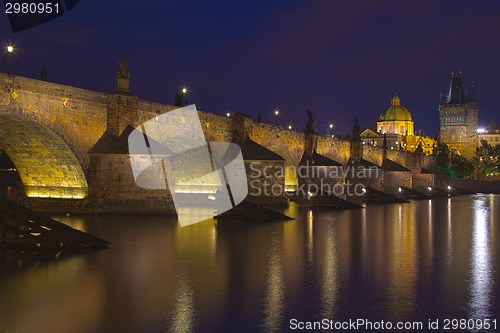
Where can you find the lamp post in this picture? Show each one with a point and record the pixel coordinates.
(184, 91)
(330, 129)
(276, 114)
(10, 49)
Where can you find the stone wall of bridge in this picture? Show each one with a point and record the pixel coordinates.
(80, 123)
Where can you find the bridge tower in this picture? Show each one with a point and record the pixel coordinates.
(459, 118)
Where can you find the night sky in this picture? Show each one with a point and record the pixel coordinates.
(338, 58)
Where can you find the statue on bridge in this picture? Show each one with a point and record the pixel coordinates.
(122, 78)
(123, 72)
(311, 124)
(356, 130)
(43, 73)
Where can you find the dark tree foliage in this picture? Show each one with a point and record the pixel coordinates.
(443, 156)
(487, 159)
(460, 167)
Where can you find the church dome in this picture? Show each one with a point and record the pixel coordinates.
(395, 112)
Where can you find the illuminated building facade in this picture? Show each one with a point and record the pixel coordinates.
(397, 124)
(491, 134)
(395, 119)
(458, 115)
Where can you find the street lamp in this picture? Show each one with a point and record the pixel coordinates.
(10, 49)
(276, 114)
(184, 91)
(330, 129)
(228, 114)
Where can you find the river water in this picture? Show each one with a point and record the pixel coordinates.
(425, 260)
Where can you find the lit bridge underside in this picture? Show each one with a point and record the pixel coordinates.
(45, 163)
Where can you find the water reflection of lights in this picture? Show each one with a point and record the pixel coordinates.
(274, 299)
(400, 215)
(329, 284)
(450, 234)
(184, 313)
(214, 241)
(430, 231)
(481, 271)
(404, 270)
(310, 239)
(363, 228)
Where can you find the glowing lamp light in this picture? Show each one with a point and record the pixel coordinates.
(10, 49)
(184, 90)
(481, 130)
(363, 190)
(276, 112)
(400, 189)
(228, 114)
(331, 125)
(449, 187)
(289, 127)
(429, 188)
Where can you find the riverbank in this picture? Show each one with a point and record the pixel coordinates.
(478, 186)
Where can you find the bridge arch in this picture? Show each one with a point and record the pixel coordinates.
(53, 124)
(45, 163)
(291, 180)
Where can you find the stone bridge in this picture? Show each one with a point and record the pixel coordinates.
(48, 129)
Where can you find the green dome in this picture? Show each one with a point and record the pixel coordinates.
(395, 112)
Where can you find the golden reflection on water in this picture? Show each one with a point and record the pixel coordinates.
(310, 239)
(450, 234)
(403, 272)
(329, 283)
(481, 284)
(183, 317)
(275, 287)
(428, 253)
(47, 305)
(74, 222)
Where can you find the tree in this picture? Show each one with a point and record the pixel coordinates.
(487, 159)
(443, 156)
(460, 167)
